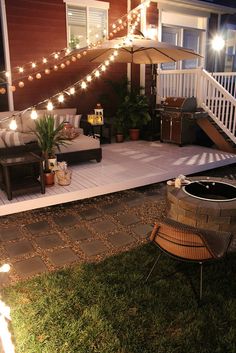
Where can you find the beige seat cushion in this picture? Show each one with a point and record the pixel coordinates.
(80, 143)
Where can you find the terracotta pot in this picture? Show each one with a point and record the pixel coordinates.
(134, 134)
(49, 179)
(119, 137)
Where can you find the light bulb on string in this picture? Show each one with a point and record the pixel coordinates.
(21, 84)
(33, 65)
(97, 73)
(49, 106)
(45, 60)
(5, 268)
(78, 56)
(84, 52)
(103, 68)
(68, 51)
(33, 114)
(120, 21)
(67, 62)
(21, 69)
(38, 76)
(61, 98)
(13, 125)
(72, 90)
(62, 66)
(114, 25)
(13, 88)
(73, 58)
(2, 90)
(89, 78)
(55, 67)
(83, 85)
(107, 62)
(112, 58)
(30, 78)
(56, 56)
(47, 71)
(115, 53)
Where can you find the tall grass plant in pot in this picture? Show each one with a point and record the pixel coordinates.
(50, 138)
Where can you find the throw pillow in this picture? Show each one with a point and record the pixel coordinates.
(2, 143)
(11, 138)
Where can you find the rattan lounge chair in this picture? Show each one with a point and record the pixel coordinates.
(187, 243)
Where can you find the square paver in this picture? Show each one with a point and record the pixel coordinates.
(49, 241)
(30, 267)
(104, 226)
(19, 248)
(93, 248)
(80, 233)
(113, 208)
(66, 220)
(134, 201)
(37, 228)
(11, 233)
(62, 257)
(128, 219)
(142, 230)
(91, 213)
(120, 239)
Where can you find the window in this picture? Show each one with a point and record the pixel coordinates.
(86, 24)
(188, 38)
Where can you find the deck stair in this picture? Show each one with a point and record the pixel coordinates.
(216, 134)
(215, 96)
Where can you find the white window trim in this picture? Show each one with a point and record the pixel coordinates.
(89, 3)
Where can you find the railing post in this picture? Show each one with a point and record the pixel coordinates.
(200, 87)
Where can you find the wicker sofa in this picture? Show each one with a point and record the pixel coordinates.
(82, 148)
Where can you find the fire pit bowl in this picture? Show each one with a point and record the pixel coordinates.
(211, 190)
(208, 203)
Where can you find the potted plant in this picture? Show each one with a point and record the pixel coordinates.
(136, 111)
(119, 125)
(49, 138)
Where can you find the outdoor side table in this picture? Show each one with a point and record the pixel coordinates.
(30, 182)
(98, 131)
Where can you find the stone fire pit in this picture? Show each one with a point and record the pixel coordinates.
(208, 203)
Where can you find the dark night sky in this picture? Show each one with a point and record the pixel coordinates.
(231, 3)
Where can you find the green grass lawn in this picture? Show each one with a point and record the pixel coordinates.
(107, 308)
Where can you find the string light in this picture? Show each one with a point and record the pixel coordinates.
(61, 98)
(21, 69)
(72, 90)
(103, 68)
(56, 56)
(47, 71)
(107, 62)
(21, 84)
(97, 73)
(33, 65)
(83, 85)
(34, 114)
(63, 66)
(45, 61)
(89, 78)
(13, 125)
(49, 106)
(38, 76)
(55, 67)
(30, 78)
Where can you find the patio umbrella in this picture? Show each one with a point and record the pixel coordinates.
(139, 50)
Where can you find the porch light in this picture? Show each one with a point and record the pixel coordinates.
(218, 43)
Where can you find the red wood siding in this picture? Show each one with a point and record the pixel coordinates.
(37, 28)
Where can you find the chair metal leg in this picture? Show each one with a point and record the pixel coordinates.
(200, 289)
(154, 265)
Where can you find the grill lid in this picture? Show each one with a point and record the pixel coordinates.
(181, 103)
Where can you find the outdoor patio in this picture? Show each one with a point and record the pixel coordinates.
(124, 166)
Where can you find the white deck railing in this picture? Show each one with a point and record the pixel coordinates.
(210, 94)
(227, 80)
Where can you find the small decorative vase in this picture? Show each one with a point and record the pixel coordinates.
(63, 177)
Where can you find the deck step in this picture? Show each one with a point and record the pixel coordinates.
(216, 134)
